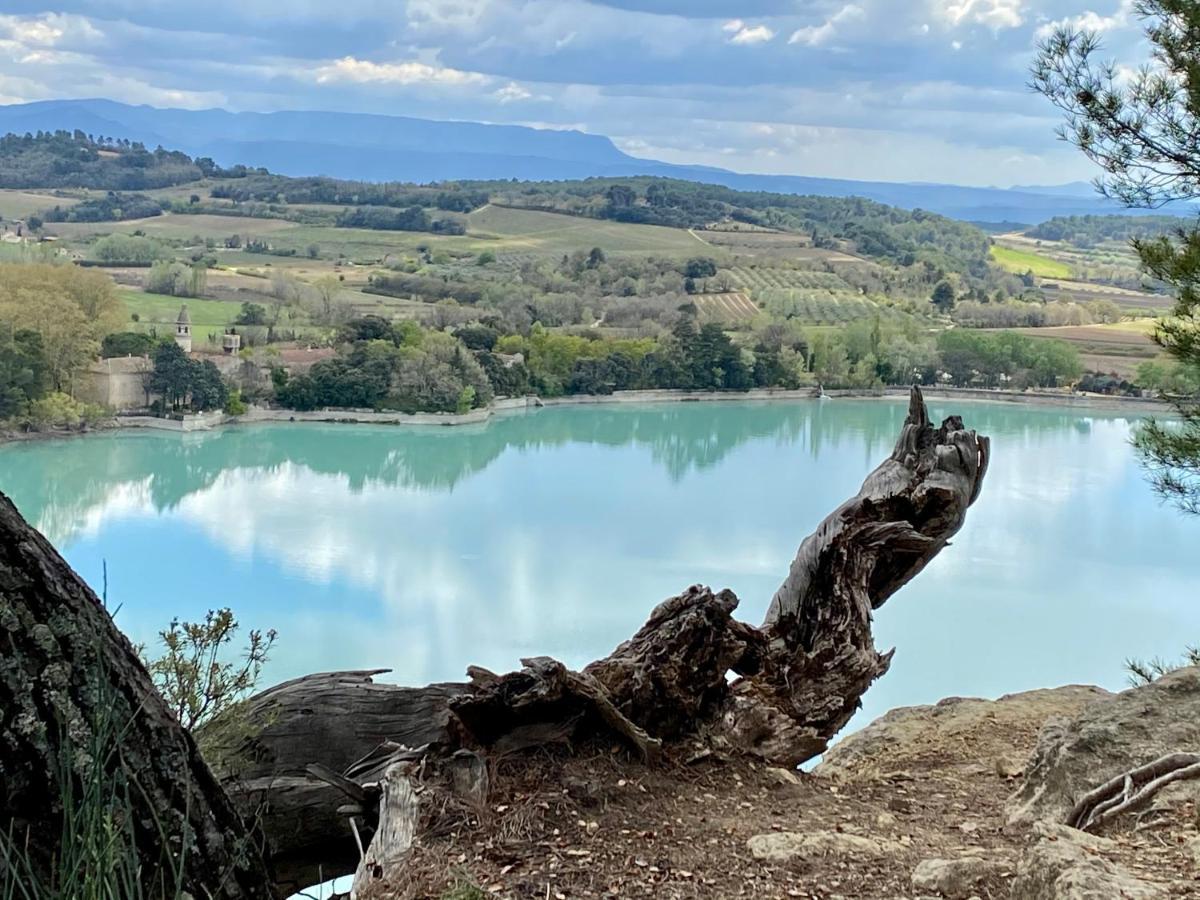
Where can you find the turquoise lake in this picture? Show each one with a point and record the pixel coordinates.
(557, 531)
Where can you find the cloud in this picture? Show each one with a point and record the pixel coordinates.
(741, 33)
(1090, 21)
(995, 14)
(363, 71)
(816, 35)
(49, 30)
(512, 93)
(650, 73)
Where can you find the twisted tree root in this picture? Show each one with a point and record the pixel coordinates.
(1131, 790)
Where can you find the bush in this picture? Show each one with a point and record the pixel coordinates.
(59, 410)
(234, 404)
(125, 249)
(176, 279)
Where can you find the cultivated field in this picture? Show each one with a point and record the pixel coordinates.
(1118, 348)
(1133, 301)
(1020, 261)
(533, 231)
(728, 308)
(772, 244)
(825, 307)
(757, 278)
(19, 204)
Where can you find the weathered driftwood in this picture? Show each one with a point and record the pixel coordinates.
(335, 761)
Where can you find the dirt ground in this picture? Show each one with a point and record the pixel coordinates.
(931, 784)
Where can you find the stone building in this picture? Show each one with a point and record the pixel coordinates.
(118, 383)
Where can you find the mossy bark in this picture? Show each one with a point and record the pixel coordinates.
(66, 671)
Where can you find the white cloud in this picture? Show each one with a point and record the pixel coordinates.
(1090, 21)
(364, 71)
(49, 30)
(741, 33)
(995, 14)
(816, 35)
(446, 14)
(511, 93)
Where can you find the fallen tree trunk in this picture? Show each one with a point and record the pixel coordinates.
(329, 759)
(799, 677)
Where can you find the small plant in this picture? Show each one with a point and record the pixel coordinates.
(191, 676)
(234, 404)
(1148, 671)
(464, 889)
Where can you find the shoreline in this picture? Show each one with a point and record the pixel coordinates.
(204, 422)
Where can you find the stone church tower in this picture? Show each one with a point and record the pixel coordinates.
(183, 330)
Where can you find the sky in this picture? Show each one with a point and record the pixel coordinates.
(889, 90)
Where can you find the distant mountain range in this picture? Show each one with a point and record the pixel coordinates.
(395, 148)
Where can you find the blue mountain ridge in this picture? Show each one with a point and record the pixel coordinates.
(397, 148)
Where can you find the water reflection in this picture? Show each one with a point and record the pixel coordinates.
(557, 530)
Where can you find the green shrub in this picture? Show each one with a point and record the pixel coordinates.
(59, 410)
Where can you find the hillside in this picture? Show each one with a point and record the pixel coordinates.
(75, 160)
(599, 284)
(394, 148)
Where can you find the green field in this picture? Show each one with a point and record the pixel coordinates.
(1022, 261)
(159, 311)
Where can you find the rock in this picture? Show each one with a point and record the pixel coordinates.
(782, 846)
(899, 804)
(782, 777)
(1066, 864)
(957, 879)
(1110, 736)
(885, 820)
(1194, 847)
(957, 733)
(1007, 766)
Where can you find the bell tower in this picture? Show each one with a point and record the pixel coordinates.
(183, 329)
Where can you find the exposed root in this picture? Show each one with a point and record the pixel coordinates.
(1132, 790)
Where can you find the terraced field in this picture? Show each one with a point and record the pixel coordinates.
(729, 308)
(825, 307)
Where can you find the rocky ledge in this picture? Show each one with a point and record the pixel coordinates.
(964, 799)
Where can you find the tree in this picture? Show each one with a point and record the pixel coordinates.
(944, 296)
(24, 372)
(1144, 132)
(71, 308)
(207, 388)
(126, 343)
(326, 289)
(171, 375)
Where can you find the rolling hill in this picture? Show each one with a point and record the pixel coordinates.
(395, 148)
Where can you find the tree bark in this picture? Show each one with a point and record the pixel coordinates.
(68, 675)
(332, 760)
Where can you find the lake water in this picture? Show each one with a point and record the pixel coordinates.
(556, 531)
